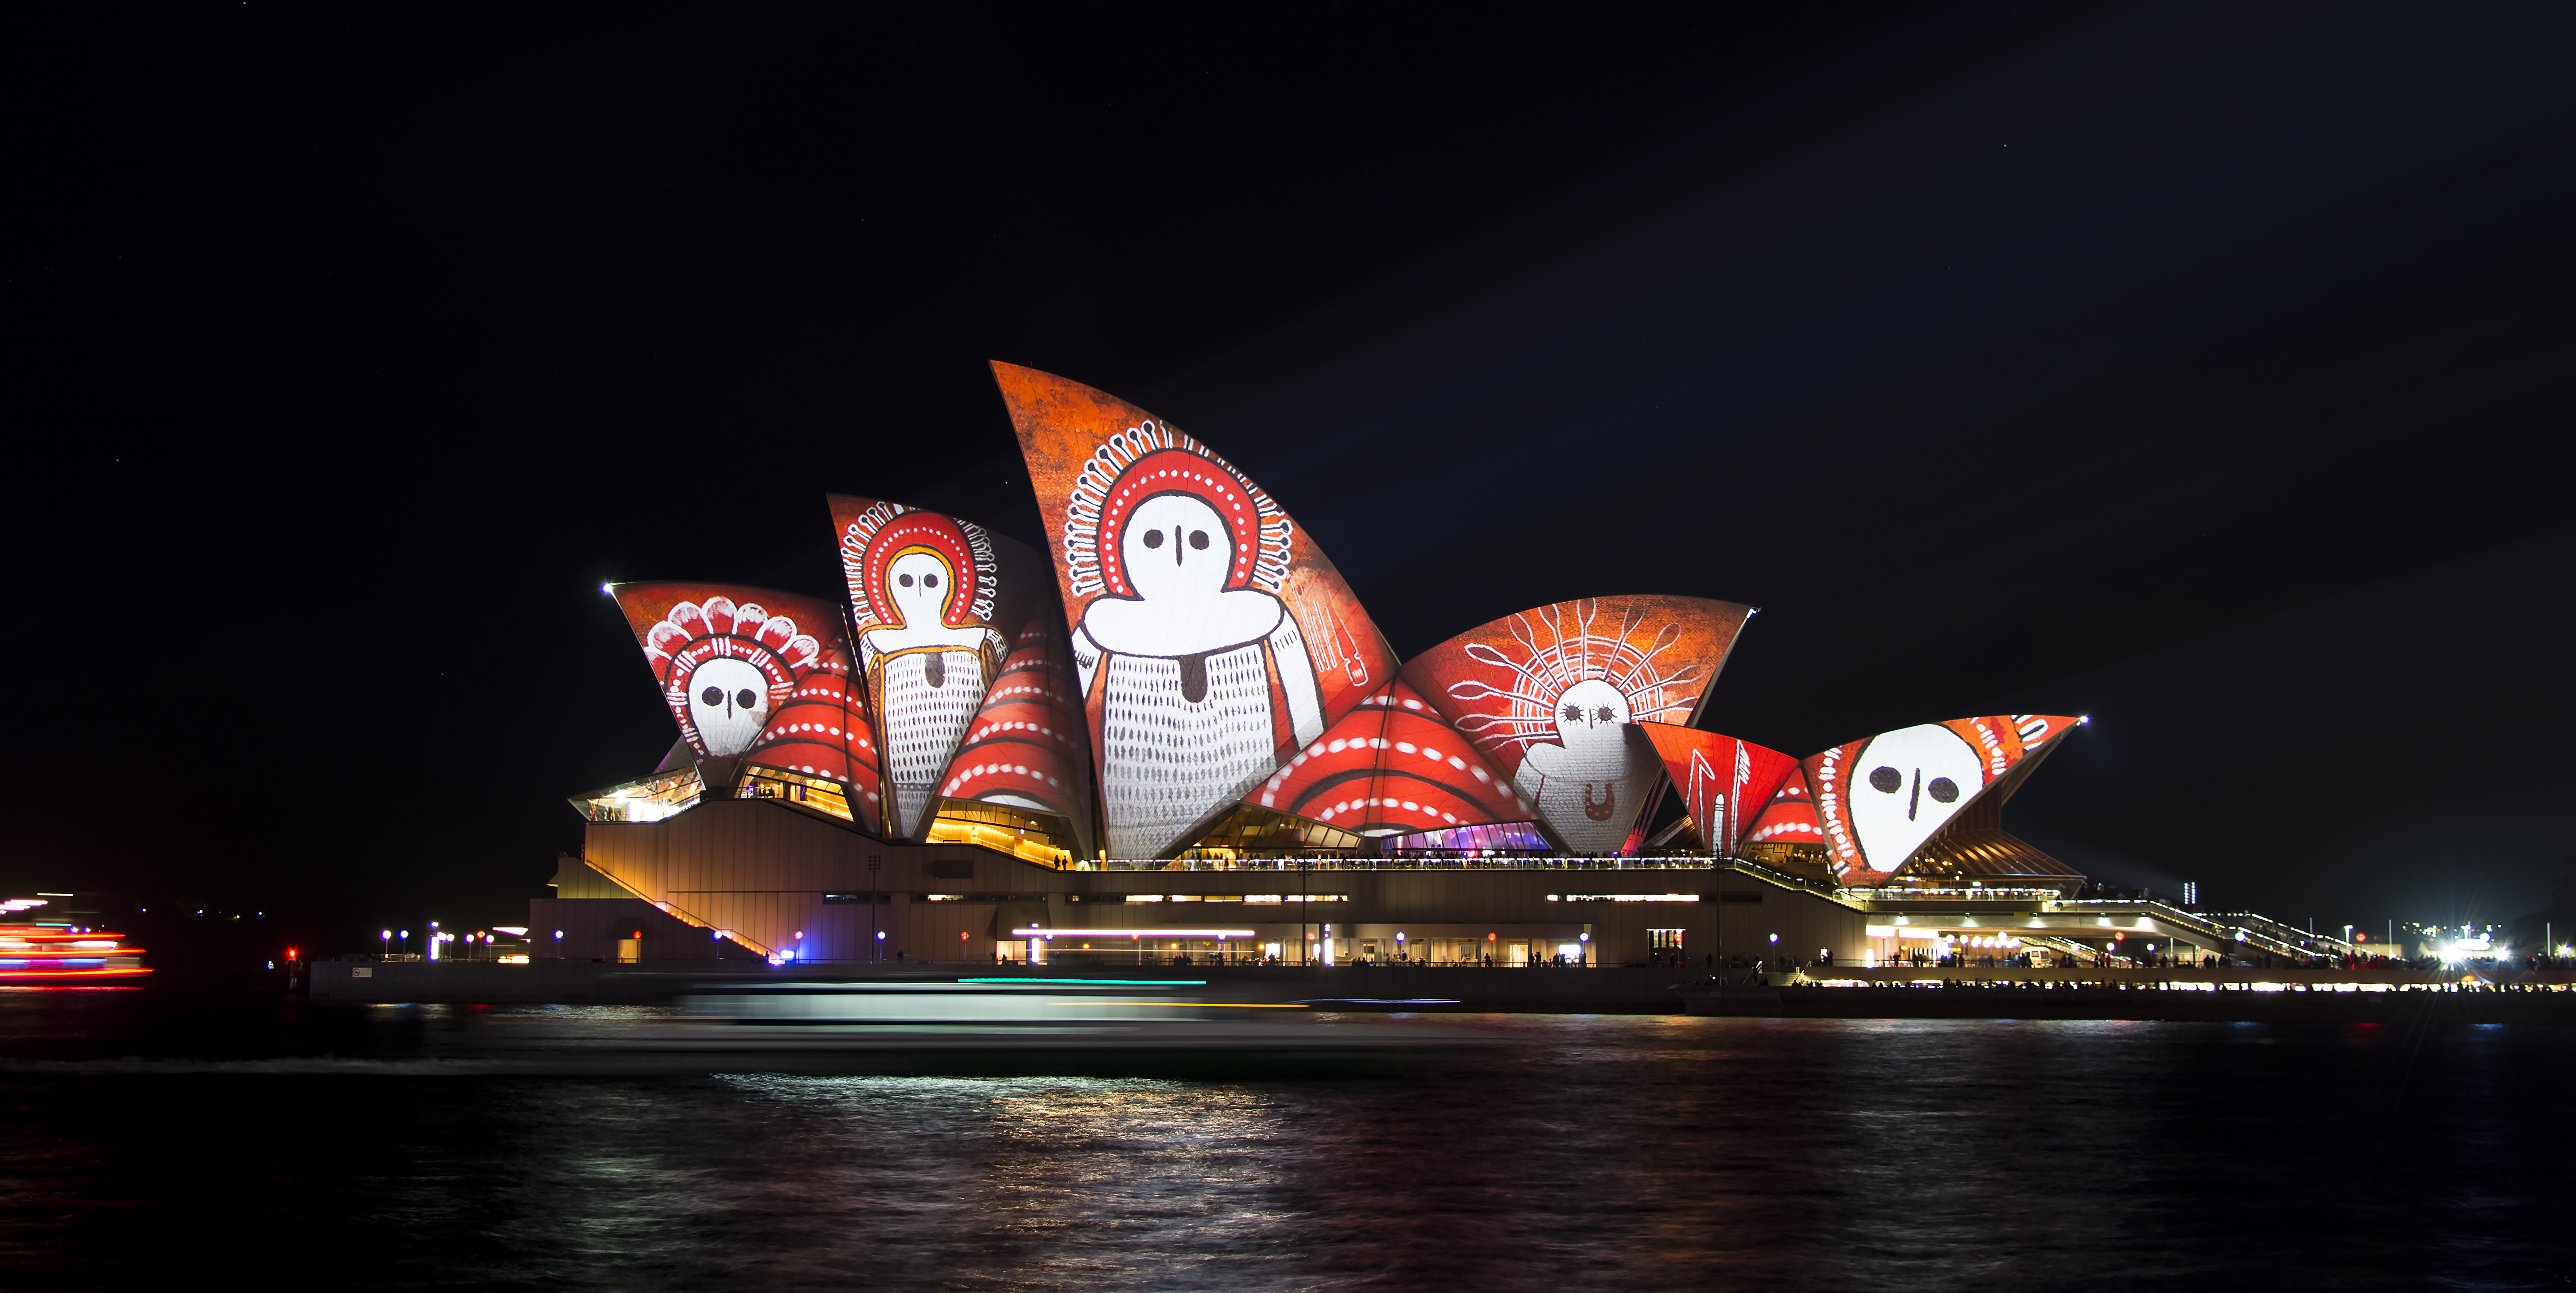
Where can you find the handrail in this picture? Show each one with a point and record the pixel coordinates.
(673, 909)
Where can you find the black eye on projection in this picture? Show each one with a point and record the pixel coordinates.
(1886, 780)
(903, 581)
(712, 696)
(930, 581)
(1604, 715)
(1198, 539)
(746, 699)
(1943, 790)
(1574, 713)
(1153, 538)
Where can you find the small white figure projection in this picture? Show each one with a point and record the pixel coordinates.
(1573, 696)
(729, 702)
(926, 672)
(1184, 646)
(1587, 784)
(724, 666)
(1904, 785)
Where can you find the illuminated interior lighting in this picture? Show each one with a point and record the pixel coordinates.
(1104, 983)
(1127, 933)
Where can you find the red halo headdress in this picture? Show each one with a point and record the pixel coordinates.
(1178, 471)
(692, 633)
(942, 537)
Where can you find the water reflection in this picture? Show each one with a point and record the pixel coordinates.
(1603, 1152)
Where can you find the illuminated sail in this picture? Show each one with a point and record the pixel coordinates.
(1553, 695)
(1392, 766)
(1026, 747)
(1211, 638)
(1878, 799)
(760, 675)
(934, 602)
(1724, 781)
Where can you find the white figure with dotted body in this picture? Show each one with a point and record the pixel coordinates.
(926, 675)
(1184, 651)
(1906, 784)
(1587, 784)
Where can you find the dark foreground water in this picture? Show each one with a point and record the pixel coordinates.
(1607, 1153)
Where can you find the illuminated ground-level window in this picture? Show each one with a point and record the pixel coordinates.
(1099, 949)
(1664, 940)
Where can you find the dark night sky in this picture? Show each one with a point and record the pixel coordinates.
(2194, 367)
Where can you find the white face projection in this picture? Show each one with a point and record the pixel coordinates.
(729, 702)
(1591, 712)
(1904, 785)
(1176, 549)
(919, 584)
(1587, 784)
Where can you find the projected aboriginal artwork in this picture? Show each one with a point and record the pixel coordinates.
(723, 656)
(822, 730)
(1723, 781)
(1879, 799)
(758, 674)
(1392, 766)
(1210, 639)
(1026, 747)
(1789, 818)
(1553, 694)
(931, 598)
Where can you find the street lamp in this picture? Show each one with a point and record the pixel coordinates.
(875, 860)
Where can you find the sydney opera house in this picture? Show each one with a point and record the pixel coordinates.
(1176, 733)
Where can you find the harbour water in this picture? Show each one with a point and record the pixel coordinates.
(234, 1141)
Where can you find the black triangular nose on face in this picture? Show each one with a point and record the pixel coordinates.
(1915, 799)
(1176, 545)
